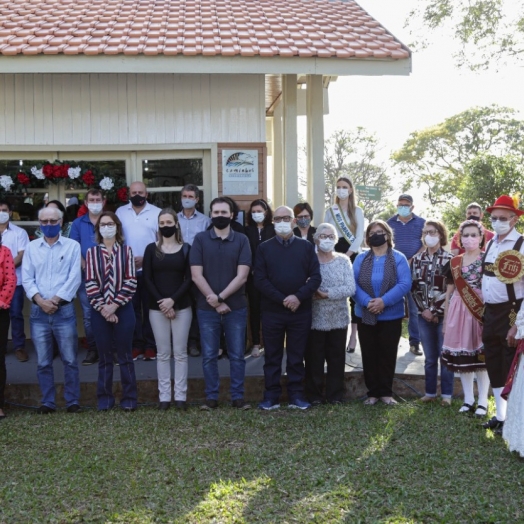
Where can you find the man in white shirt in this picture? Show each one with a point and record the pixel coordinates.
(502, 293)
(17, 240)
(140, 223)
(51, 277)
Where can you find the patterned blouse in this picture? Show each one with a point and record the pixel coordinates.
(110, 277)
(429, 280)
(472, 274)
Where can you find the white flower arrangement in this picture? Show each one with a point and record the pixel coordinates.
(106, 184)
(74, 172)
(38, 173)
(6, 182)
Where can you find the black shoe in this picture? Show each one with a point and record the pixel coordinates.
(240, 404)
(91, 358)
(498, 431)
(164, 406)
(350, 349)
(209, 405)
(44, 410)
(316, 403)
(193, 351)
(335, 402)
(493, 423)
(415, 349)
(74, 408)
(129, 410)
(181, 405)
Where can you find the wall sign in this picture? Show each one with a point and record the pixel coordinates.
(240, 172)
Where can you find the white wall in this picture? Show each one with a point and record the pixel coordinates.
(106, 109)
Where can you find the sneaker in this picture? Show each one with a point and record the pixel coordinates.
(44, 410)
(240, 404)
(193, 351)
(415, 349)
(74, 408)
(267, 405)
(298, 403)
(137, 353)
(149, 354)
(91, 358)
(493, 423)
(209, 405)
(21, 355)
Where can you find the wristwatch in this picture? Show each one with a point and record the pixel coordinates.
(220, 299)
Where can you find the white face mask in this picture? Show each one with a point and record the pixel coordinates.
(327, 245)
(343, 193)
(108, 231)
(283, 228)
(4, 217)
(95, 207)
(431, 241)
(188, 203)
(258, 217)
(501, 228)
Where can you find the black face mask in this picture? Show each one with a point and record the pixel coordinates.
(221, 222)
(167, 231)
(377, 240)
(138, 200)
(473, 217)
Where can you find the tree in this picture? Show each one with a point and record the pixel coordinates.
(436, 157)
(353, 154)
(488, 31)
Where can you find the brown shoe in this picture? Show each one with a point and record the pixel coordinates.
(425, 399)
(21, 355)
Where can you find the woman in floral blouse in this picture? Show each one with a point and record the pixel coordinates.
(429, 292)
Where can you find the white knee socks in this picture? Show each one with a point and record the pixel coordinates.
(467, 387)
(501, 404)
(483, 387)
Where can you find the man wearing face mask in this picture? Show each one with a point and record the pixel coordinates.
(473, 212)
(17, 240)
(220, 259)
(502, 295)
(287, 274)
(83, 231)
(140, 224)
(51, 277)
(407, 229)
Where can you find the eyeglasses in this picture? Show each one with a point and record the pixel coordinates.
(500, 219)
(50, 222)
(325, 237)
(277, 220)
(472, 235)
(107, 224)
(431, 232)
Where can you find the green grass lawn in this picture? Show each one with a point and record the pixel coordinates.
(350, 463)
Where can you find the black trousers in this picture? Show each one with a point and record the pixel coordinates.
(4, 328)
(254, 296)
(379, 346)
(499, 355)
(328, 347)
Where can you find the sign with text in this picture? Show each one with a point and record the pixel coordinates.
(239, 172)
(369, 192)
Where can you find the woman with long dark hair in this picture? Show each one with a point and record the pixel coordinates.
(304, 215)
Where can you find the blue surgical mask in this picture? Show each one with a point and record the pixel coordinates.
(404, 211)
(50, 231)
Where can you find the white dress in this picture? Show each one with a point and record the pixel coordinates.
(513, 429)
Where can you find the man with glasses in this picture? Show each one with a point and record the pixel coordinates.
(51, 277)
(287, 274)
(407, 233)
(503, 294)
(473, 212)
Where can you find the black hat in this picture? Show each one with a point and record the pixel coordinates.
(409, 198)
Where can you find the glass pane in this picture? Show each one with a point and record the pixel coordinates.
(172, 199)
(172, 173)
(12, 167)
(25, 206)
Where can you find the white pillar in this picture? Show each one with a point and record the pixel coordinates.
(278, 182)
(289, 97)
(315, 145)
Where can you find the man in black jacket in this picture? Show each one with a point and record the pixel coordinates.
(287, 273)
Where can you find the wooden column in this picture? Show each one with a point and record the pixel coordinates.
(290, 162)
(278, 181)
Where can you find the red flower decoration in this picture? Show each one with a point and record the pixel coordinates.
(49, 171)
(23, 179)
(122, 194)
(88, 178)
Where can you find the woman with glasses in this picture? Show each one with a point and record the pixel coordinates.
(382, 279)
(167, 275)
(462, 347)
(327, 338)
(348, 219)
(110, 286)
(259, 229)
(429, 293)
(304, 215)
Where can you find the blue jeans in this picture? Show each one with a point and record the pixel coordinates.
(413, 326)
(86, 309)
(432, 338)
(17, 318)
(234, 324)
(62, 326)
(119, 336)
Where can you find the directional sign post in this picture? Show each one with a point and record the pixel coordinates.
(369, 192)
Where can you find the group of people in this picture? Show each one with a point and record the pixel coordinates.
(153, 282)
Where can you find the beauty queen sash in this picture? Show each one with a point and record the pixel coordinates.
(342, 225)
(466, 292)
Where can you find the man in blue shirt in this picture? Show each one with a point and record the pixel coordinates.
(83, 231)
(407, 229)
(51, 277)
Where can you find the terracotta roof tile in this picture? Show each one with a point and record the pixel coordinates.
(304, 28)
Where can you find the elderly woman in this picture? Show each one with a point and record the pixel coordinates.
(327, 338)
(382, 279)
(429, 293)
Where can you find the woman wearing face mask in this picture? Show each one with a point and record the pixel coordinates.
(327, 338)
(429, 293)
(382, 279)
(348, 219)
(167, 275)
(304, 215)
(259, 229)
(462, 347)
(110, 286)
